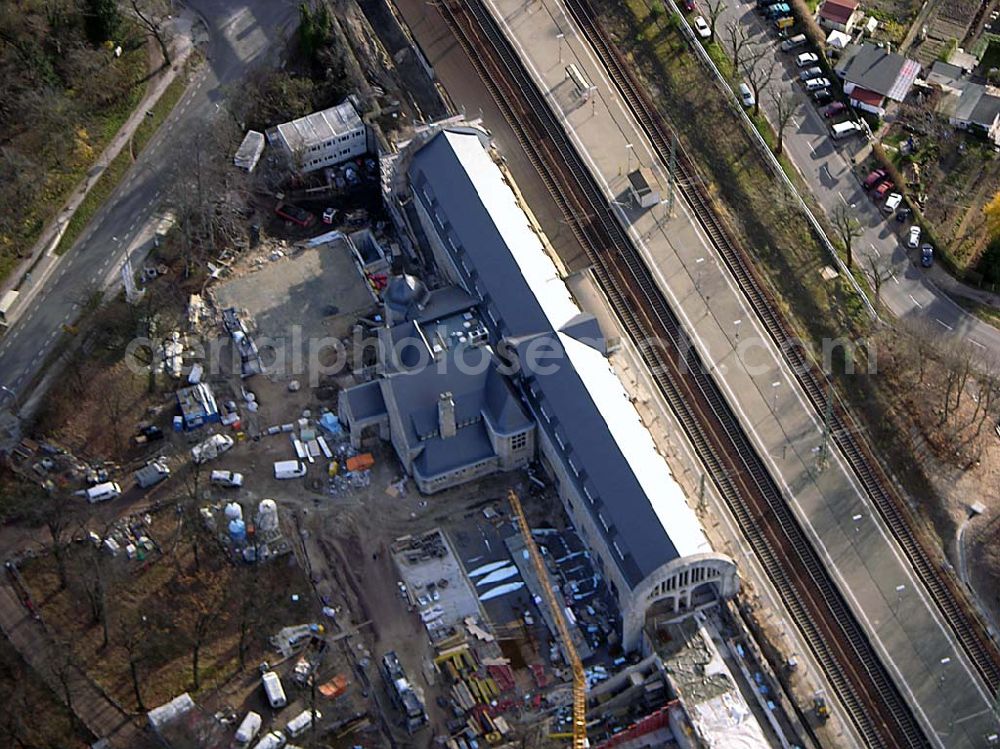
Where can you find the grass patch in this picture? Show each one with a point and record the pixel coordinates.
(984, 312)
(112, 176)
(160, 111)
(98, 194)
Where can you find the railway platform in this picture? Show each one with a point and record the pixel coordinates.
(904, 625)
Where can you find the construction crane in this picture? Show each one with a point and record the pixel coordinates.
(579, 734)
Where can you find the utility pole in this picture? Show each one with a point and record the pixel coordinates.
(824, 450)
(671, 175)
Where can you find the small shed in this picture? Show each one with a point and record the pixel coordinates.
(644, 188)
(197, 405)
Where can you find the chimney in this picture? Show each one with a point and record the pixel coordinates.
(446, 416)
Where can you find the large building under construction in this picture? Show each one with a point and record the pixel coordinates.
(584, 429)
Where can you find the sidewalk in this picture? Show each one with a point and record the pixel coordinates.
(31, 275)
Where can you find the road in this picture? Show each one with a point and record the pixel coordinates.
(907, 291)
(241, 34)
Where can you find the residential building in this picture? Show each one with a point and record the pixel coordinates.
(978, 110)
(871, 75)
(322, 139)
(602, 461)
(840, 15)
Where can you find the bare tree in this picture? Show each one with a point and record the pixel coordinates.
(146, 14)
(133, 636)
(848, 229)
(715, 8)
(880, 272)
(206, 614)
(759, 70)
(737, 41)
(785, 106)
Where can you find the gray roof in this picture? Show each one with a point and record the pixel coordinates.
(479, 392)
(585, 328)
(878, 70)
(968, 101)
(317, 128)
(986, 111)
(365, 401)
(442, 456)
(619, 504)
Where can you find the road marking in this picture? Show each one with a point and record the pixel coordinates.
(974, 342)
(812, 148)
(916, 302)
(875, 250)
(894, 279)
(841, 196)
(941, 322)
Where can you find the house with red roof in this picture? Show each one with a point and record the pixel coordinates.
(840, 15)
(871, 75)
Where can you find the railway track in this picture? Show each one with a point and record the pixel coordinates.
(878, 711)
(942, 587)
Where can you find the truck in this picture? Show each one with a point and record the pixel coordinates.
(152, 473)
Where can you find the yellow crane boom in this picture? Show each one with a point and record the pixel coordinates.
(579, 681)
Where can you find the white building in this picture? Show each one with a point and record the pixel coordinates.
(323, 139)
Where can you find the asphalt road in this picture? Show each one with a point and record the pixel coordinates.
(240, 35)
(907, 290)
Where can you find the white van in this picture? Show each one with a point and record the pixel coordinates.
(273, 689)
(301, 722)
(273, 740)
(102, 492)
(845, 129)
(289, 469)
(248, 729)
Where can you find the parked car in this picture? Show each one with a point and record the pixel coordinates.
(295, 214)
(227, 478)
(702, 27)
(892, 203)
(881, 191)
(815, 84)
(834, 109)
(903, 214)
(807, 59)
(805, 75)
(874, 177)
(823, 96)
(746, 95)
(211, 448)
(927, 256)
(689, 5)
(778, 10)
(913, 238)
(793, 43)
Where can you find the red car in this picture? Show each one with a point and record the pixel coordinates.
(882, 189)
(689, 5)
(834, 109)
(873, 179)
(295, 214)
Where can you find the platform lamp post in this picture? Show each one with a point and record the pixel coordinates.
(629, 147)
(560, 36)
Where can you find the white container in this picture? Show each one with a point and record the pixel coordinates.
(102, 492)
(248, 729)
(273, 689)
(301, 722)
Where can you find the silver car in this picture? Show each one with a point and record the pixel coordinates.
(814, 72)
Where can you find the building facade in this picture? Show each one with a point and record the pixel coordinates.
(322, 139)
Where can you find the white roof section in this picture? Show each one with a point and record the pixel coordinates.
(665, 495)
(317, 128)
(651, 470)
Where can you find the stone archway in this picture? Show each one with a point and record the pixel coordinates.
(681, 584)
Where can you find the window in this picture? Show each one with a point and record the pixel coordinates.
(519, 441)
